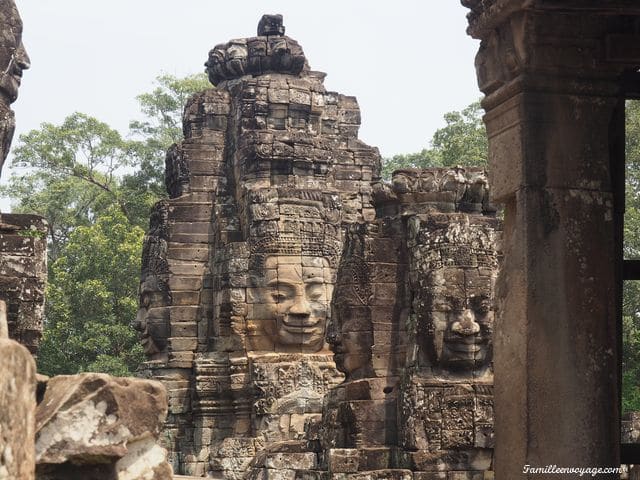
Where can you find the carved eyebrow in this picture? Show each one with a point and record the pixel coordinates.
(275, 282)
(313, 280)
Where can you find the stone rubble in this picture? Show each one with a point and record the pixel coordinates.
(105, 425)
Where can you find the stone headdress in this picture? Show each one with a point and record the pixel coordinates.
(459, 240)
(295, 222)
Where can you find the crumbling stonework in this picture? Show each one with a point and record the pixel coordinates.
(17, 411)
(23, 274)
(22, 237)
(96, 426)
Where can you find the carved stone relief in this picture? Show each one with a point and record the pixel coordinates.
(334, 323)
(13, 60)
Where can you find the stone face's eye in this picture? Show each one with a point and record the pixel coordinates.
(279, 296)
(315, 291)
(145, 300)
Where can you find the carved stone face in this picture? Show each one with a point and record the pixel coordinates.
(152, 320)
(350, 336)
(13, 56)
(292, 304)
(457, 317)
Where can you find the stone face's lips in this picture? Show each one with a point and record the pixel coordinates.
(304, 331)
(300, 323)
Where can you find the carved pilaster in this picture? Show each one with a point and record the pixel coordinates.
(552, 73)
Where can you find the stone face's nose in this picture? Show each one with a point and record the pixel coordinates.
(140, 322)
(466, 324)
(332, 336)
(301, 306)
(271, 25)
(22, 58)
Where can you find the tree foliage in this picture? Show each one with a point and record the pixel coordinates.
(462, 141)
(95, 188)
(162, 124)
(631, 248)
(73, 174)
(92, 297)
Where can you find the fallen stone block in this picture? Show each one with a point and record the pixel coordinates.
(94, 426)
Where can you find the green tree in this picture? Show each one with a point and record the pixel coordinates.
(74, 171)
(92, 298)
(73, 174)
(462, 141)
(162, 125)
(95, 188)
(631, 247)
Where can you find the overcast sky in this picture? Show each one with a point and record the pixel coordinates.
(407, 61)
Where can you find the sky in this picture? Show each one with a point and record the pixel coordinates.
(407, 61)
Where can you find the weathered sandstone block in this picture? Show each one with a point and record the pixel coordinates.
(17, 411)
(91, 423)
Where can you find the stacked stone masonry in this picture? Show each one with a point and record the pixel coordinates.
(239, 264)
(23, 275)
(295, 306)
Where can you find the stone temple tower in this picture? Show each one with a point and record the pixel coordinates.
(239, 265)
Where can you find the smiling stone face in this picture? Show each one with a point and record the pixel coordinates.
(293, 304)
(152, 319)
(13, 56)
(13, 60)
(457, 317)
(454, 264)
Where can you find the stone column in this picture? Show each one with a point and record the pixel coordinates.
(551, 70)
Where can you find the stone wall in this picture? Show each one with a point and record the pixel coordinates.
(23, 275)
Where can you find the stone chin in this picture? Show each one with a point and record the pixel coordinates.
(351, 360)
(7, 127)
(148, 345)
(354, 366)
(10, 84)
(461, 357)
(290, 334)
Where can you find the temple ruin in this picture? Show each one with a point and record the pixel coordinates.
(310, 321)
(280, 251)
